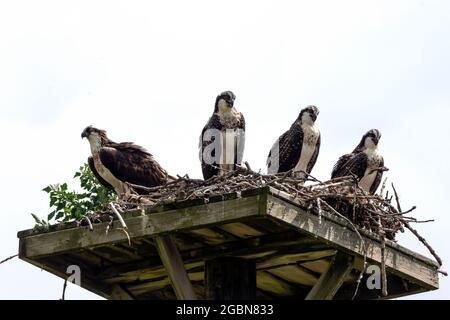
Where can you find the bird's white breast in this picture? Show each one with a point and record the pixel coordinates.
(310, 136)
(107, 175)
(373, 162)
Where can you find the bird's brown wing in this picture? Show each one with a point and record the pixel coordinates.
(339, 166)
(355, 166)
(286, 152)
(131, 163)
(210, 169)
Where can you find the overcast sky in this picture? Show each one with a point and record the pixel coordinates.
(150, 72)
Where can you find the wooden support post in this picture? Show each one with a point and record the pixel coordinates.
(331, 280)
(174, 266)
(229, 278)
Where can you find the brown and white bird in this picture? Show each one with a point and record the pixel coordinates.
(114, 164)
(222, 142)
(365, 163)
(298, 148)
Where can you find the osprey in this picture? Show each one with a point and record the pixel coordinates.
(222, 140)
(365, 162)
(113, 164)
(298, 148)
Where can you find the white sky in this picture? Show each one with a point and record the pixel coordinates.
(150, 72)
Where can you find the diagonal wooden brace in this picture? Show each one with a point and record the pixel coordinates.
(331, 280)
(173, 263)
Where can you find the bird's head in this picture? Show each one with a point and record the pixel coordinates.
(371, 138)
(95, 136)
(224, 102)
(309, 115)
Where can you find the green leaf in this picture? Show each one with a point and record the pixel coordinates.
(38, 221)
(51, 215)
(47, 189)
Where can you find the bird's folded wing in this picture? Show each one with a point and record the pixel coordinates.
(133, 165)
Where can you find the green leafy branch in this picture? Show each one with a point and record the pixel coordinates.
(68, 205)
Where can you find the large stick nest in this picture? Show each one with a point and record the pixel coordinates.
(341, 196)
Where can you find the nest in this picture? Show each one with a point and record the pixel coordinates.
(341, 196)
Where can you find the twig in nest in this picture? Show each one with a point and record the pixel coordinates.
(383, 259)
(383, 186)
(407, 225)
(91, 228)
(9, 258)
(443, 273)
(116, 212)
(127, 234)
(247, 165)
(379, 169)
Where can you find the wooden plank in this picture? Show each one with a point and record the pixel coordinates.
(272, 285)
(174, 266)
(330, 281)
(241, 230)
(145, 274)
(280, 259)
(148, 286)
(210, 236)
(249, 248)
(118, 292)
(230, 278)
(400, 262)
(318, 266)
(295, 274)
(142, 226)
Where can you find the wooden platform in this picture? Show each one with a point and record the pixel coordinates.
(295, 252)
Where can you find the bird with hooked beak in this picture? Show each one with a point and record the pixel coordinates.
(116, 165)
(298, 148)
(365, 163)
(222, 141)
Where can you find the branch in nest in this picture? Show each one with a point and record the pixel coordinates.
(407, 225)
(379, 169)
(116, 212)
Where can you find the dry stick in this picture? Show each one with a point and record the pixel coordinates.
(383, 258)
(407, 225)
(383, 186)
(127, 234)
(9, 258)
(122, 222)
(89, 222)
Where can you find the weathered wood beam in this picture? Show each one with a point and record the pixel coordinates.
(267, 243)
(118, 292)
(230, 278)
(149, 225)
(335, 231)
(174, 266)
(330, 281)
